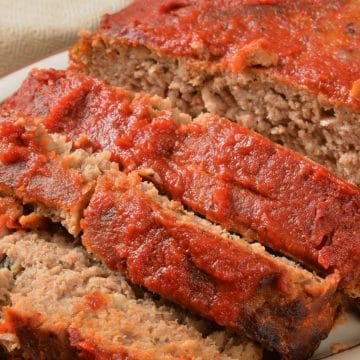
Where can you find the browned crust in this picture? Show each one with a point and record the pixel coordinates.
(39, 343)
(35, 342)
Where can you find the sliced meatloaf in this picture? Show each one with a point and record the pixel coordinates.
(221, 170)
(40, 169)
(288, 69)
(58, 303)
(198, 265)
(238, 285)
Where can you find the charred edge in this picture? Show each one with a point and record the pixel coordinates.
(36, 342)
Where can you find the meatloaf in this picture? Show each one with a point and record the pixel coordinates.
(60, 304)
(161, 247)
(201, 267)
(288, 69)
(221, 170)
(39, 170)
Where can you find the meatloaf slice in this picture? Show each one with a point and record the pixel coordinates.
(41, 170)
(289, 70)
(223, 171)
(198, 265)
(257, 277)
(209, 286)
(60, 304)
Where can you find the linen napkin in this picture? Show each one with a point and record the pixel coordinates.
(33, 29)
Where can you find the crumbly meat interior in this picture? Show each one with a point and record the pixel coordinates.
(48, 275)
(288, 115)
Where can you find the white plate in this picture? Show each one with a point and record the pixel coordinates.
(11, 82)
(347, 333)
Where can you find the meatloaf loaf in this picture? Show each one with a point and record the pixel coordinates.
(287, 69)
(175, 254)
(221, 170)
(60, 304)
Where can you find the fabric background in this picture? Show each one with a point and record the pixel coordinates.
(33, 29)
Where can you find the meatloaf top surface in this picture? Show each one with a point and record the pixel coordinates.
(290, 204)
(312, 44)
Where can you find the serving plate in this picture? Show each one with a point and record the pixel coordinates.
(345, 334)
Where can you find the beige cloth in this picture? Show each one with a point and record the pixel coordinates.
(33, 29)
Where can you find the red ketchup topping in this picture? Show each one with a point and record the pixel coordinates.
(224, 280)
(229, 174)
(34, 174)
(317, 42)
(179, 260)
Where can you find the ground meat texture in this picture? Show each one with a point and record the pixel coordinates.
(61, 304)
(220, 169)
(187, 260)
(289, 70)
(39, 170)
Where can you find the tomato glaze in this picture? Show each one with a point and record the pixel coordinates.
(317, 42)
(179, 260)
(33, 173)
(229, 174)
